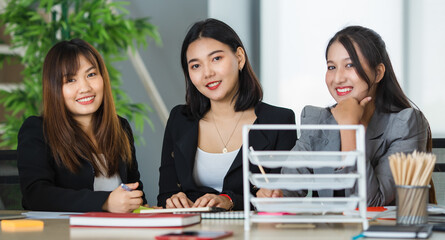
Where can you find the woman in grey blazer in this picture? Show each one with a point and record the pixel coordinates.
(362, 81)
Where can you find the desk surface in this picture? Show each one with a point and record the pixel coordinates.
(59, 229)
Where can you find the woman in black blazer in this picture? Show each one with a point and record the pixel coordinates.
(201, 156)
(75, 157)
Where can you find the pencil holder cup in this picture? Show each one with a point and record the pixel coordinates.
(412, 202)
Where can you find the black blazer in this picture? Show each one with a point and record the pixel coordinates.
(47, 186)
(180, 145)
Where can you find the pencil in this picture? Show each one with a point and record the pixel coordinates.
(412, 173)
(259, 166)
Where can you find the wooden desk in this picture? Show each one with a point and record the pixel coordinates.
(59, 229)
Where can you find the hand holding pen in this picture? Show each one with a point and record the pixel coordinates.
(124, 198)
(126, 188)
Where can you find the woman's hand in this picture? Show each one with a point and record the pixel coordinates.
(350, 111)
(213, 200)
(178, 200)
(123, 201)
(154, 207)
(269, 193)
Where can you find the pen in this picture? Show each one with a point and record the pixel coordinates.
(260, 167)
(358, 236)
(125, 187)
(263, 172)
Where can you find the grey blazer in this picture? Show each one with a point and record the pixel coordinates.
(387, 133)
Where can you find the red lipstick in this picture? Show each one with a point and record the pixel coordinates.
(342, 91)
(213, 85)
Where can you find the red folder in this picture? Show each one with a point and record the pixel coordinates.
(133, 220)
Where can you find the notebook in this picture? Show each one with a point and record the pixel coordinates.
(398, 231)
(387, 213)
(184, 210)
(223, 215)
(135, 220)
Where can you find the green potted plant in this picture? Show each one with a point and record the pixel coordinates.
(36, 25)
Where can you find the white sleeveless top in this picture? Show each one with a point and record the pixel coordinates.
(103, 183)
(211, 168)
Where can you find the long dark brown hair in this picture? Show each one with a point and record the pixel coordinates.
(68, 142)
(249, 92)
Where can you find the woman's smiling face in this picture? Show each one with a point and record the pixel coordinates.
(214, 68)
(342, 79)
(83, 93)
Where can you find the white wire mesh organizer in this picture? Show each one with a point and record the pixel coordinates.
(305, 209)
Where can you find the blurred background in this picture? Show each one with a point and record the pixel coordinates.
(286, 41)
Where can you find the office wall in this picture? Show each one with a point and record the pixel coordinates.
(243, 17)
(425, 39)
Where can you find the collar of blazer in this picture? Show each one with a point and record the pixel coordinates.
(327, 118)
(188, 144)
(377, 125)
(375, 129)
(373, 136)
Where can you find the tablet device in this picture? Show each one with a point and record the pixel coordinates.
(11, 216)
(398, 231)
(195, 235)
(439, 227)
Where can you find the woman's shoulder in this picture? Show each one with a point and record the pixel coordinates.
(180, 108)
(405, 116)
(125, 125)
(271, 110)
(123, 121)
(309, 109)
(179, 112)
(313, 114)
(269, 114)
(179, 116)
(408, 117)
(31, 127)
(401, 124)
(32, 122)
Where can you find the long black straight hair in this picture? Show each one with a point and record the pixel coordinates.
(249, 92)
(389, 96)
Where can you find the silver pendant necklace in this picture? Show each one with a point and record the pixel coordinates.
(224, 150)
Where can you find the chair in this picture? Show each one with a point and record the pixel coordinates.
(8, 171)
(439, 169)
(10, 195)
